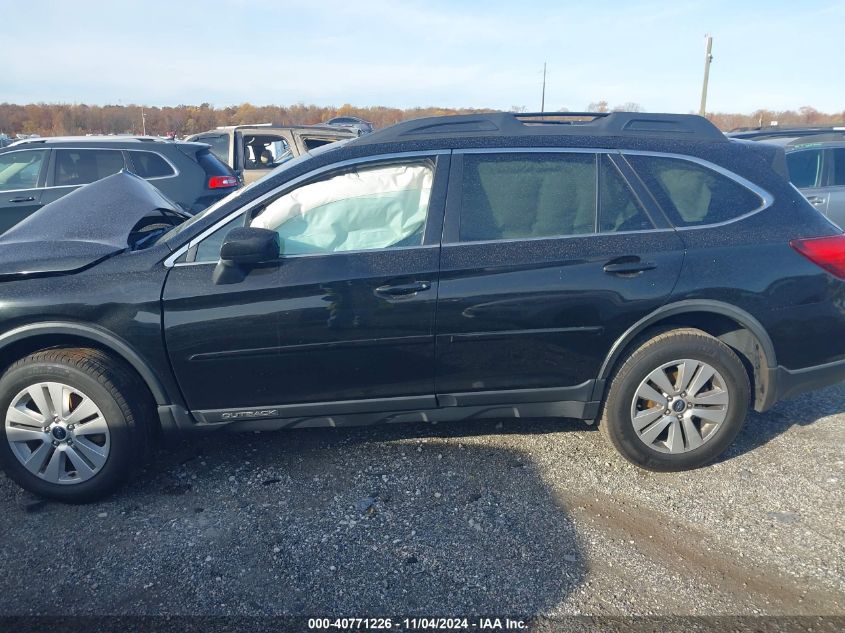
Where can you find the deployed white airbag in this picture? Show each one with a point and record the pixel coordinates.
(367, 209)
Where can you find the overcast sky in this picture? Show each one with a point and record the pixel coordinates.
(774, 54)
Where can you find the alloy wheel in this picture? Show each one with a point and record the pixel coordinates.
(58, 433)
(679, 406)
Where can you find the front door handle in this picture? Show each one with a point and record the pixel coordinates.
(403, 290)
(628, 266)
(817, 200)
(23, 199)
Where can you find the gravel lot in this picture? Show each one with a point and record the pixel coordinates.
(522, 517)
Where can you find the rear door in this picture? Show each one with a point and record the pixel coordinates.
(807, 172)
(836, 186)
(70, 168)
(548, 256)
(22, 178)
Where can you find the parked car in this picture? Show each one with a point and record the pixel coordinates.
(37, 171)
(253, 151)
(352, 122)
(637, 270)
(776, 131)
(817, 167)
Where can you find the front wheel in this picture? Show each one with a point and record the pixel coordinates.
(677, 402)
(73, 424)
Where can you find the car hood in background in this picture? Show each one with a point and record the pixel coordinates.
(80, 228)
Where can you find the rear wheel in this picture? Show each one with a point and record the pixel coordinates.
(677, 402)
(74, 423)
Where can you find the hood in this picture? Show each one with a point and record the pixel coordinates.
(82, 227)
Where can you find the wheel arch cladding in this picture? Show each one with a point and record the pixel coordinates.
(22, 341)
(739, 330)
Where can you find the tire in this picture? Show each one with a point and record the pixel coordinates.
(700, 425)
(104, 423)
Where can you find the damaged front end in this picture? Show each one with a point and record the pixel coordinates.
(87, 226)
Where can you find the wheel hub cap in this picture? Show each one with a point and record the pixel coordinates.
(679, 406)
(57, 433)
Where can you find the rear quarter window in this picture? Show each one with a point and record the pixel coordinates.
(692, 194)
(212, 165)
(150, 165)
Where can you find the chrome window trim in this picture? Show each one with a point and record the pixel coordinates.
(175, 169)
(766, 198)
(508, 240)
(170, 262)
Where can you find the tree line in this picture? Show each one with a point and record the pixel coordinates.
(54, 119)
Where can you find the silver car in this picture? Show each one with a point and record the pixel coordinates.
(817, 167)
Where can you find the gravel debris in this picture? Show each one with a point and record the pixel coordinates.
(535, 517)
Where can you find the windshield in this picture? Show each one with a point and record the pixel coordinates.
(286, 165)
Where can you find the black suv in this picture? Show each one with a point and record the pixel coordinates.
(639, 270)
(36, 171)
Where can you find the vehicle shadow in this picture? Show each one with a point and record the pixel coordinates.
(761, 428)
(360, 521)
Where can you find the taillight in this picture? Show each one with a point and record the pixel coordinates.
(826, 252)
(217, 182)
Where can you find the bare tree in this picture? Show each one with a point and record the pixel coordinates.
(628, 106)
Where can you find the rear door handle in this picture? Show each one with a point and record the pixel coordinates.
(817, 200)
(403, 290)
(23, 199)
(629, 267)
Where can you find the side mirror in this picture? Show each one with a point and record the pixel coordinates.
(244, 247)
(249, 245)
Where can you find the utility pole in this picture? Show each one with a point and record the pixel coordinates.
(708, 57)
(143, 122)
(543, 97)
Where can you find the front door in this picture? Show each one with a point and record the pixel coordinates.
(22, 177)
(342, 323)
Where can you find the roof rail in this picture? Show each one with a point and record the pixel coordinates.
(631, 124)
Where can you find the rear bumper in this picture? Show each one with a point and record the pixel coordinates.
(786, 383)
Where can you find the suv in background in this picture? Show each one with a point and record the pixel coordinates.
(253, 151)
(352, 122)
(37, 171)
(637, 270)
(817, 167)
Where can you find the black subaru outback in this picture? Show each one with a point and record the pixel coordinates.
(639, 270)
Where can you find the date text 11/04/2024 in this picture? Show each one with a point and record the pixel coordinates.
(416, 624)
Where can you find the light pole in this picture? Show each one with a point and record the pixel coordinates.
(143, 121)
(707, 59)
(543, 97)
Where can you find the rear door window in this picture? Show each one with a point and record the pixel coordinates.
(150, 165)
(805, 167)
(82, 166)
(692, 194)
(531, 195)
(20, 170)
(619, 208)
